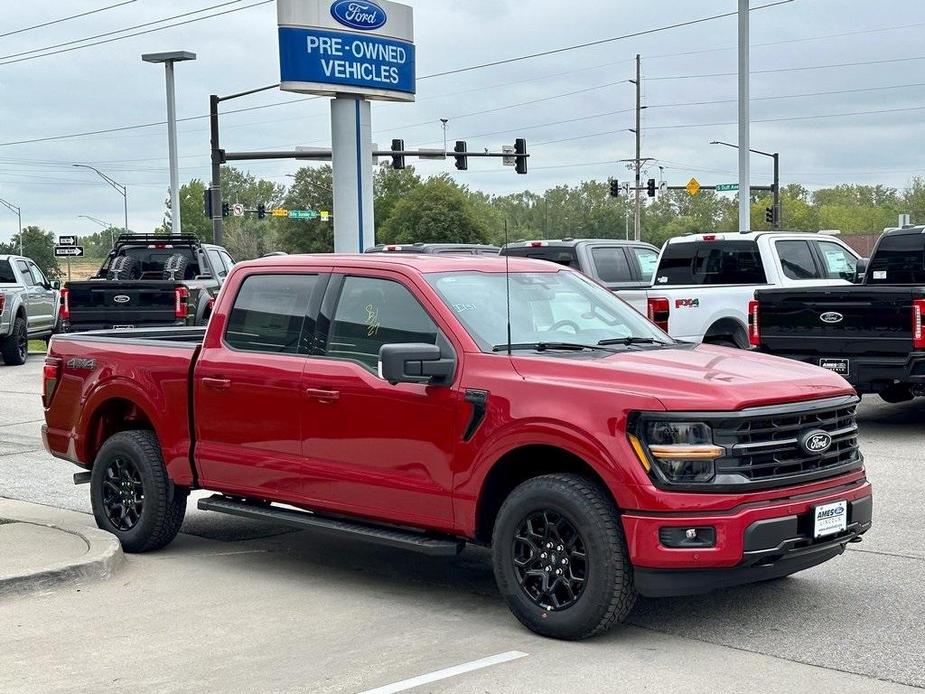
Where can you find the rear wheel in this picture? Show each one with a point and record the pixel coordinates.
(15, 347)
(560, 558)
(131, 495)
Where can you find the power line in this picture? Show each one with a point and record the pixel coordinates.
(601, 42)
(3, 60)
(65, 19)
(789, 69)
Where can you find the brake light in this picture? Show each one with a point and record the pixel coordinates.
(182, 305)
(918, 331)
(754, 332)
(64, 310)
(392, 249)
(2, 302)
(710, 237)
(538, 244)
(659, 312)
(51, 374)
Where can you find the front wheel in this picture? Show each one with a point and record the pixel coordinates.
(560, 558)
(15, 347)
(131, 495)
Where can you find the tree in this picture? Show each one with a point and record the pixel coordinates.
(437, 211)
(39, 245)
(193, 219)
(390, 186)
(312, 189)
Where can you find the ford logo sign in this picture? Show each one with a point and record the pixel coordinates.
(831, 317)
(122, 299)
(816, 442)
(365, 16)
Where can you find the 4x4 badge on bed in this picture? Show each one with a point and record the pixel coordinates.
(816, 442)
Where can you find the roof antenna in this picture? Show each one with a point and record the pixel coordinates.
(507, 280)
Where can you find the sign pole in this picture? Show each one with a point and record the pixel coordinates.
(352, 144)
(745, 213)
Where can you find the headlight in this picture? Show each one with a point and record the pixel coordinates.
(682, 452)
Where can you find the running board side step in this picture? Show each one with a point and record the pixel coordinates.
(366, 532)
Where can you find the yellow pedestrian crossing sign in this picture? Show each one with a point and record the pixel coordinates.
(693, 187)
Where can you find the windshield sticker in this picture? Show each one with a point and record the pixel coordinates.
(663, 280)
(372, 320)
(462, 308)
(879, 274)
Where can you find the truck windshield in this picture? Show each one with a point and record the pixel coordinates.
(898, 259)
(546, 308)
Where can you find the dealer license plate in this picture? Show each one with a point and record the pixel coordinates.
(840, 366)
(830, 519)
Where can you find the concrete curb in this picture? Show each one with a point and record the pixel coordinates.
(103, 557)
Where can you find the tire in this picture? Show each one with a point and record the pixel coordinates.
(15, 347)
(129, 468)
(722, 342)
(175, 268)
(605, 596)
(121, 268)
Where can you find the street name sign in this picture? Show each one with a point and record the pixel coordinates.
(727, 187)
(69, 251)
(67, 240)
(302, 214)
(347, 47)
(693, 187)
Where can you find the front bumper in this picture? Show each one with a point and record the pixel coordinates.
(754, 542)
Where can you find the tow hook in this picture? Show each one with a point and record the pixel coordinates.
(855, 539)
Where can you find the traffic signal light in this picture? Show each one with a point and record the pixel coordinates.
(207, 202)
(520, 147)
(650, 188)
(261, 211)
(769, 215)
(226, 209)
(614, 188)
(462, 161)
(398, 160)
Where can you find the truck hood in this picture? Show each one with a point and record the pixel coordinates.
(702, 378)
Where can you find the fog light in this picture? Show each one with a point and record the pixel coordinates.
(684, 538)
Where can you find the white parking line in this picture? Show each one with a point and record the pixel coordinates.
(446, 673)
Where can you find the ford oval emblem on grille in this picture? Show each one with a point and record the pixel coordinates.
(365, 16)
(816, 442)
(831, 317)
(122, 299)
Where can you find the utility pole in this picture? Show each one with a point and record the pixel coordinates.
(744, 129)
(215, 189)
(18, 211)
(778, 212)
(638, 167)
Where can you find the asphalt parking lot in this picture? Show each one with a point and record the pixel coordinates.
(235, 605)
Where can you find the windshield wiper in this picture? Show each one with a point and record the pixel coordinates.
(550, 346)
(632, 341)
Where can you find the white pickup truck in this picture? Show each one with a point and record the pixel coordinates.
(29, 304)
(704, 286)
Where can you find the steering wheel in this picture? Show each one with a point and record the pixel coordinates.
(566, 324)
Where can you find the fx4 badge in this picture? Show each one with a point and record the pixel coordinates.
(686, 303)
(76, 363)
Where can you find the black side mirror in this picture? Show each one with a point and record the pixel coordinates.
(860, 270)
(54, 284)
(415, 363)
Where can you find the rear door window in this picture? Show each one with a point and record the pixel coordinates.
(270, 314)
(6, 272)
(27, 278)
(797, 261)
(898, 259)
(837, 262)
(611, 265)
(711, 263)
(648, 261)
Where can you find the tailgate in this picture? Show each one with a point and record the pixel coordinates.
(106, 304)
(837, 321)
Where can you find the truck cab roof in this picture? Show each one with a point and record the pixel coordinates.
(436, 248)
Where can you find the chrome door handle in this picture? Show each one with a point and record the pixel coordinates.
(322, 395)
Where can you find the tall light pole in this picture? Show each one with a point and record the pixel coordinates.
(118, 186)
(18, 212)
(168, 59)
(745, 212)
(776, 157)
(105, 225)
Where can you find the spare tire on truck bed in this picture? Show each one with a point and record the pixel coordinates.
(121, 268)
(175, 267)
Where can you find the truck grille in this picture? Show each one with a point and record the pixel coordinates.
(764, 445)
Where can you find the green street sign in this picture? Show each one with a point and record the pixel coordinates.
(303, 214)
(726, 187)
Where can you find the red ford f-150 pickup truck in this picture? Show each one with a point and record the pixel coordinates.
(428, 402)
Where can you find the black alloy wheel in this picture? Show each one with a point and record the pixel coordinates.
(123, 493)
(550, 560)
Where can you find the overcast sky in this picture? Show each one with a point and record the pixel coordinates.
(107, 86)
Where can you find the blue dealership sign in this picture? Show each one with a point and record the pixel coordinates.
(363, 16)
(319, 61)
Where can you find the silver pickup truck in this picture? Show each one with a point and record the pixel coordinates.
(28, 307)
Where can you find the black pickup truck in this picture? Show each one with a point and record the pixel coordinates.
(871, 334)
(148, 281)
